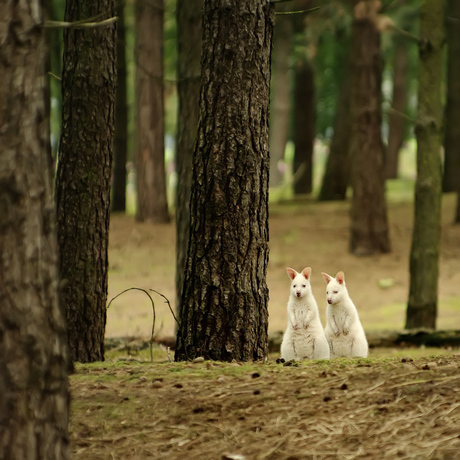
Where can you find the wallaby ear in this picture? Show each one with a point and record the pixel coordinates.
(340, 277)
(306, 272)
(327, 277)
(291, 273)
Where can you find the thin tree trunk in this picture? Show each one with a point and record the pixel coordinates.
(223, 311)
(34, 394)
(189, 31)
(424, 256)
(369, 226)
(451, 181)
(83, 175)
(280, 104)
(336, 176)
(120, 148)
(150, 163)
(304, 126)
(396, 122)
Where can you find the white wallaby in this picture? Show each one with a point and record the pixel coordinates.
(344, 331)
(304, 336)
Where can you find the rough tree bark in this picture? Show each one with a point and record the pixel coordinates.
(369, 225)
(424, 255)
(223, 311)
(84, 173)
(152, 203)
(34, 395)
(189, 31)
(120, 148)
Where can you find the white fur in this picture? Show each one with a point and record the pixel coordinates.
(344, 331)
(304, 336)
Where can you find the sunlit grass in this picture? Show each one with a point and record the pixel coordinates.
(393, 316)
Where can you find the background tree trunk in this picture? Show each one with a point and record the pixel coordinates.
(223, 311)
(83, 175)
(189, 31)
(280, 96)
(303, 126)
(34, 395)
(369, 226)
(452, 133)
(424, 256)
(337, 172)
(150, 163)
(55, 11)
(396, 123)
(120, 148)
(451, 182)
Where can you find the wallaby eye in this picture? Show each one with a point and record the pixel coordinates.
(304, 285)
(294, 285)
(335, 291)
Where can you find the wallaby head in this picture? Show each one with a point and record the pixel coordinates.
(336, 288)
(300, 284)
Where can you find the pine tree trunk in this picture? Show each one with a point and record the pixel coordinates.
(120, 148)
(424, 256)
(304, 126)
(280, 93)
(337, 172)
(369, 226)
(223, 311)
(396, 122)
(34, 394)
(152, 204)
(451, 182)
(189, 32)
(83, 175)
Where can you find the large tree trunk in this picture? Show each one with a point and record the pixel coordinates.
(189, 13)
(34, 395)
(83, 175)
(336, 176)
(152, 204)
(424, 256)
(280, 94)
(369, 226)
(451, 182)
(120, 148)
(396, 123)
(223, 311)
(303, 126)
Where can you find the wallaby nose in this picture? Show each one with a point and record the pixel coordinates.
(329, 301)
(298, 294)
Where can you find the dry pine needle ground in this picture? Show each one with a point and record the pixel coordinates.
(343, 409)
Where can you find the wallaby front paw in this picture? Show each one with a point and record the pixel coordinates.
(337, 333)
(345, 332)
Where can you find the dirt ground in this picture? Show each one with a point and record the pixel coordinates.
(380, 408)
(396, 404)
(302, 233)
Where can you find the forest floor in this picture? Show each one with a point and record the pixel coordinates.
(302, 233)
(376, 408)
(399, 403)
